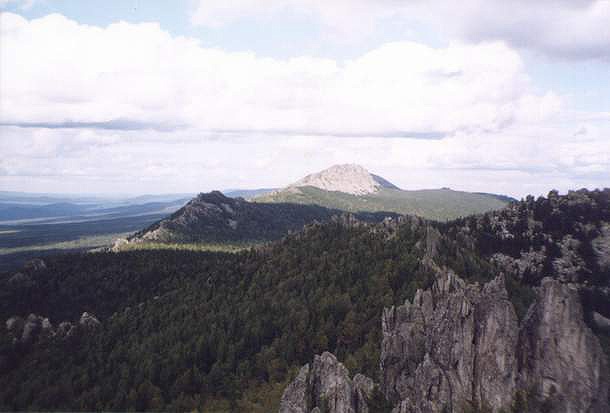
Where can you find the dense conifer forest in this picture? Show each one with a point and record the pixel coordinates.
(184, 330)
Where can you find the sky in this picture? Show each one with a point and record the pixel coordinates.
(138, 96)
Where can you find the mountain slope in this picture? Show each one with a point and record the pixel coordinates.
(214, 217)
(437, 204)
(183, 330)
(352, 188)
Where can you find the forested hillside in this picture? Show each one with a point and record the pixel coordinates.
(183, 330)
(437, 204)
(215, 218)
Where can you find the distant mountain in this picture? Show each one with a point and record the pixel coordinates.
(10, 211)
(67, 211)
(352, 188)
(350, 179)
(214, 217)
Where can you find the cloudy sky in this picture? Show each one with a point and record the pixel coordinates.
(143, 96)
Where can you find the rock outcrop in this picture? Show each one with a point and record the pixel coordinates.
(28, 330)
(451, 348)
(560, 357)
(458, 347)
(325, 386)
(88, 320)
(35, 327)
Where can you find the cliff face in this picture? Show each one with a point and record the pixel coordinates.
(560, 358)
(451, 348)
(458, 346)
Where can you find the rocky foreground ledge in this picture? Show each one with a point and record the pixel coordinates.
(459, 347)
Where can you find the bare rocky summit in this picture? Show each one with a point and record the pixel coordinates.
(349, 178)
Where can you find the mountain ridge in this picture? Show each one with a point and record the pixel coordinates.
(216, 218)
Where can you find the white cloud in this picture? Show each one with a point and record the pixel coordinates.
(566, 28)
(57, 72)
(516, 161)
(245, 121)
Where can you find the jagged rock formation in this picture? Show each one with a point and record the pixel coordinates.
(349, 178)
(459, 347)
(325, 386)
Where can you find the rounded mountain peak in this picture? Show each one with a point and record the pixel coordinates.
(349, 178)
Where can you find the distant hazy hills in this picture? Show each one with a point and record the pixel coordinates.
(22, 208)
(352, 188)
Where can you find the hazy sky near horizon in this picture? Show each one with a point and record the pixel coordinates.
(139, 96)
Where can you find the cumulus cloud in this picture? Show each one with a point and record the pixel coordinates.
(516, 161)
(58, 73)
(565, 28)
(85, 107)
